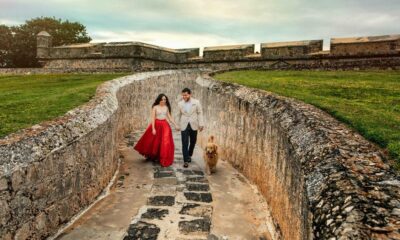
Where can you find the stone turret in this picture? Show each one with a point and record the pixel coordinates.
(44, 43)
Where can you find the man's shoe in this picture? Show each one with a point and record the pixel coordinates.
(185, 165)
(190, 159)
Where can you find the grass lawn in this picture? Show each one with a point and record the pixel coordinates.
(26, 100)
(368, 101)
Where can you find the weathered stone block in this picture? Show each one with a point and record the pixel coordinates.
(155, 213)
(17, 179)
(23, 233)
(3, 184)
(5, 212)
(196, 210)
(161, 200)
(142, 230)
(195, 226)
(198, 197)
(197, 187)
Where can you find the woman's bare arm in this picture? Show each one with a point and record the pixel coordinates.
(171, 119)
(153, 120)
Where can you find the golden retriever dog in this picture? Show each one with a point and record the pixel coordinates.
(210, 155)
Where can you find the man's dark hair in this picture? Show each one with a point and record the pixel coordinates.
(186, 90)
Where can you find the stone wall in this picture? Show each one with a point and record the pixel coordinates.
(51, 171)
(118, 50)
(320, 179)
(230, 53)
(290, 49)
(366, 46)
(376, 52)
(311, 63)
(28, 71)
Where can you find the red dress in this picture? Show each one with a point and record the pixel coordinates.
(159, 146)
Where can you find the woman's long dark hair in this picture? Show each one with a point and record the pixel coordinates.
(158, 100)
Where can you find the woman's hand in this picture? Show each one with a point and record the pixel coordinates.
(177, 128)
(154, 131)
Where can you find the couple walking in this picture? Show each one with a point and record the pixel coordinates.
(157, 142)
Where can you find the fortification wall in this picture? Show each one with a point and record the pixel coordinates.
(290, 49)
(377, 52)
(365, 46)
(227, 53)
(331, 63)
(121, 50)
(320, 179)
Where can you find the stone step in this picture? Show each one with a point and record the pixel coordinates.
(161, 201)
(197, 187)
(142, 230)
(155, 213)
(178, 206)
(196, 179)
(202, 225)
(196, 210)
(198, 197)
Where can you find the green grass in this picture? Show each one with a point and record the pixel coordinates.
(368, 101)
(26, 100)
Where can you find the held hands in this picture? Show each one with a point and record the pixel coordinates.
(154, 131)
(177, 128)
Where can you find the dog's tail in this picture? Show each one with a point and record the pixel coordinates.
(211, 139)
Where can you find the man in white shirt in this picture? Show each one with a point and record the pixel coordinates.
(190, 120)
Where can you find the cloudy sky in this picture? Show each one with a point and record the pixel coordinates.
(199, 23)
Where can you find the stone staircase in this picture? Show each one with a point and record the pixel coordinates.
(179, 206)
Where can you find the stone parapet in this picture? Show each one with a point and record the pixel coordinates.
(291, 49)
(224, 53)
(366, 46)
(136, 56)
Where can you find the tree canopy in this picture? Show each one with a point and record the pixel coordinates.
(18, 43)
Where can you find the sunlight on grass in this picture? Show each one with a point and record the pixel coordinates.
(26, 100)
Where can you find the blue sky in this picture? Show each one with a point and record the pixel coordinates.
(190, 23)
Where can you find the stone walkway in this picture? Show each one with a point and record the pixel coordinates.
(179, 206)
(152, 202)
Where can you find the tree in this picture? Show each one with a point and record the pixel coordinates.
(22, 50)
(5, 45)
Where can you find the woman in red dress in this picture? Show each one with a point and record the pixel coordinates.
(157, 141)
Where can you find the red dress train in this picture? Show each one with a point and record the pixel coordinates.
(159, 146)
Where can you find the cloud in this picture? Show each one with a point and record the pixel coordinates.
(183, 23)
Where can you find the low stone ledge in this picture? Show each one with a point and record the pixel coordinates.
(29, 71)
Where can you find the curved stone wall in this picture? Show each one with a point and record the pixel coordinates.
(321, 179)
(50, 172)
